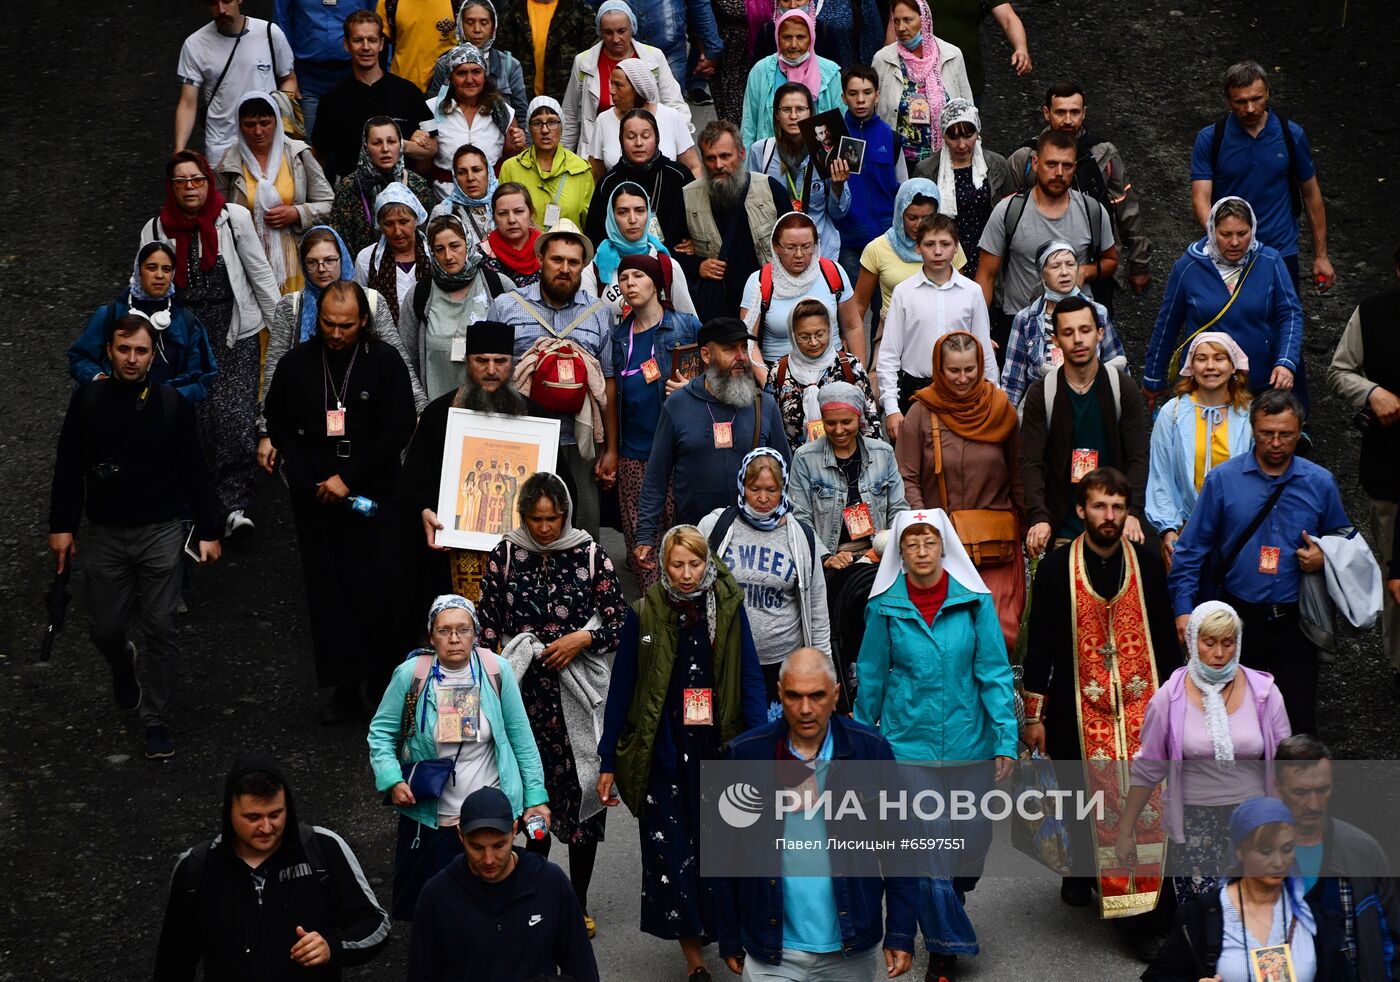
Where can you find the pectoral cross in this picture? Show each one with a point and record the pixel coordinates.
(1109, 651)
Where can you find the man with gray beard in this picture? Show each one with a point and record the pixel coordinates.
(706, 429)
(730, 213)
(487, 389)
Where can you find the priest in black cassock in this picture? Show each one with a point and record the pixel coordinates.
(340, 411)
(1101, 640)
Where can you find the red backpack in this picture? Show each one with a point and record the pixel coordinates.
(559, 382)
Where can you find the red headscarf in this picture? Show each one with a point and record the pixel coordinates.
(180, 226)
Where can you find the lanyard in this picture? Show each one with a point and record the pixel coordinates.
(712, 415)
(328, 383)
(631, 335)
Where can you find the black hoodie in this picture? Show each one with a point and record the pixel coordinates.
(241, 922)
(527, 926)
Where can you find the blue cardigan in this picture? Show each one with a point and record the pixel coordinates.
(1266, 319)
(764, 80)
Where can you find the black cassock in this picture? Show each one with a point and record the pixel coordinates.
(346, 558)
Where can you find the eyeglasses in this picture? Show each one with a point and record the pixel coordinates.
(544, 124)
(793, 110)
(190, 182)
(1281, 438)
(813, 338)
(330, 263)
(453, 632)
(796, 250)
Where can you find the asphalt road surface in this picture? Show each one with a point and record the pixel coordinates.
(89, 830)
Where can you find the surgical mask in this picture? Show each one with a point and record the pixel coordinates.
(913, 43)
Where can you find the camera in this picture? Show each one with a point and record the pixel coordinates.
(105, 474)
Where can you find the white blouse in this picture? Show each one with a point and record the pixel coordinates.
(673, 137)
(455, 130)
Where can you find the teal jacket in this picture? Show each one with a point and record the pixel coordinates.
(940, 693)
(517, 758)
(764, 79)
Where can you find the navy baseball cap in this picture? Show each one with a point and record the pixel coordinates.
(487, 808)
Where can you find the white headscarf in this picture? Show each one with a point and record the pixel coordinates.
(955, 560)
(1211, 681)
(808, 372)
(785, 284)
(1213, 250)
(958, 111)
(265, 197)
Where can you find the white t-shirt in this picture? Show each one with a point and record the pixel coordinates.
(476, 764)
(406, 280)
(202, 60)
(454, 130)
(673, 139)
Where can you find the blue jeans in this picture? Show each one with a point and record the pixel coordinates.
(812, 966)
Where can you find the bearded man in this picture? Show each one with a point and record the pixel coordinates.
(436, 569)
(730, 214)
(705, 431)
(1101, 639)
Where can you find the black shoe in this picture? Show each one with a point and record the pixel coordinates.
(345, 704)
(126, 687)
(1146, 943)
(1075, 892)
(1395, 684)
(701, 974)
(941, 968)
(699, 97)
(160, 745)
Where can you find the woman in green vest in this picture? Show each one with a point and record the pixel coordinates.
(685, 681)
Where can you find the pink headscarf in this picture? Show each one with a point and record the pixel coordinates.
(809, 72)
(923, 71)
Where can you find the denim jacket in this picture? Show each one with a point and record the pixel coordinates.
(818, 487)
(675, 329)
(750, 909)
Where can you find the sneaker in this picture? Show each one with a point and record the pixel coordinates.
(160, 745)
(940, 967)
(237, 524)
(699, 97)
(126, 687)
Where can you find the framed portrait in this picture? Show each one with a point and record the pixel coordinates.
(485, 459)
(852, 151)
(822, 133)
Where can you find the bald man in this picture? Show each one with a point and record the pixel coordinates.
(807, 905)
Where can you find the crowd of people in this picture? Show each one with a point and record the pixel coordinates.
(952, 519)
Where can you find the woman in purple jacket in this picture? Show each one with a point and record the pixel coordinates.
(1213, 711)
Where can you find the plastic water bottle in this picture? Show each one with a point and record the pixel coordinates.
(362, 506)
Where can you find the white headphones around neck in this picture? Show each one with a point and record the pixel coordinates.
(160, 320)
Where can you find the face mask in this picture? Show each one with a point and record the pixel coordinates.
(913, 43)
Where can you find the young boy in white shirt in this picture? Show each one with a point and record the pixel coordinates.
(936, 301)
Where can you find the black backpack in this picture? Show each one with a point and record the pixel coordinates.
(198, 859)
(1295, 196)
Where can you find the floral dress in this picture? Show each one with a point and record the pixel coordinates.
(918, 137)
(790, 399)
(550, 595)
(974, 208)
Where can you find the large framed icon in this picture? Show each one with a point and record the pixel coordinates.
(486, 457)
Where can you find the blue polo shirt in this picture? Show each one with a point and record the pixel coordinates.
(1256, 169)
(809, 903)
(1232, 495)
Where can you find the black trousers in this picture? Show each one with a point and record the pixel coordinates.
(1274, 643)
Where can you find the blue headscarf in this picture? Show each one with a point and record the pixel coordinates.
(904, 246)
(616, 246)
(460, 197)
(610, 7)
(311, 295)
(769, 521)
(1267, 810)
